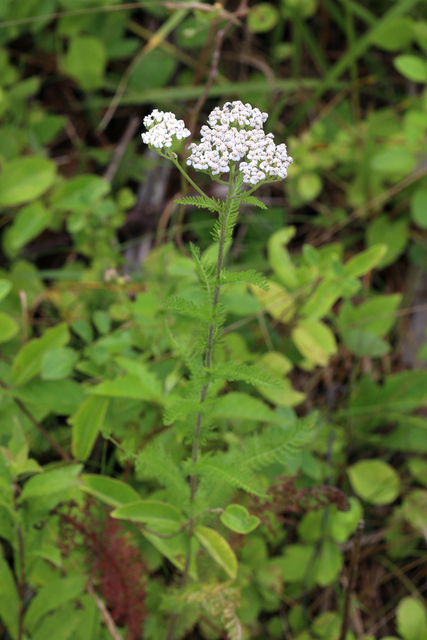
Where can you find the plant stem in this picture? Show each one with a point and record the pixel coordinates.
(208, 363)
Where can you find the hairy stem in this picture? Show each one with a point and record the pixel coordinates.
(208, 363)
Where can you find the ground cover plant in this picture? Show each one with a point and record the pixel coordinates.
(213, 402)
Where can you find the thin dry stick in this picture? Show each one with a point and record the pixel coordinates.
(354, 562)
(120, 149)
(105, 614)
(64, 455)
(232, 19)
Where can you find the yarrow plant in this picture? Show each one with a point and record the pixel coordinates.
(233, 145)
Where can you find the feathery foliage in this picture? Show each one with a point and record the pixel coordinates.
(249, 275)
(202, 203)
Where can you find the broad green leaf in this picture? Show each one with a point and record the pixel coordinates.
(61, 624)
(419, 208)
(418, 469)
(151, 512)
(80, 194)
(111, 491)
(218, 548)
(262, 17)
(86, 424)
(414, 510)
(57, 364)
(5, 287)
(329, 563)
(309, 186)
(51, 596)
(61, 397)
(130, 386)
(27, 363)
(85, 61)
(374, 481)
(365, 343)
(394, 34)
(376, 315)
(344, 523)
(279, 258)
(412, 67)
(393, 160)
(411, 618)
(28, 223)
(296, 560)
(393, 234)
(24, 179)
(365, 261)
(51, 482)
(315, 341)
(8, 327)
(277, 301)
(322, 300)
(10, 603)
(238, 519)
(241, 406)
(174, 549)
(279, 366)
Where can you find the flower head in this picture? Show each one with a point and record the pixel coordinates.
(235, 134)
(164, 130)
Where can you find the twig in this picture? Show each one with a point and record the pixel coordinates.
(120, 149)
(64, 455)
(354, 562)
(105, 614)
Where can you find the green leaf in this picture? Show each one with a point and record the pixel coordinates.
(315, 341)
(174, 549)
(57, 364)
(418, 469)
(419, 208)
(85, 61)
(241, 406)
(374, 481)
(414, 510)
(201, 203)
(24, 179)
(8, 327)
(276, 300)
(50, 597)
(10, 603)
(365, 261)
(5, 287)
(393, 234)
(238, 519)
(411, 618)
(253, 201)
(151, 512)
(51, 482)
(393, 161)
(322, 300)
(218, 548)
(131, 386)
(309, 186)
(80, 194)
(365, 343)
(376, 315)
(28, 361)
(87, 422)
(412, 67)
(393, 35)
(28, 223)
(111, 491)
(279, 258)
(61, 624)
(296, 561)
(329, 563)
(262, 18)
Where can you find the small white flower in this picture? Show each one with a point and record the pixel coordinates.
(235, 134)
(163, 129)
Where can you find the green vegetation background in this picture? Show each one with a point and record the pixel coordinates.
(92, 244)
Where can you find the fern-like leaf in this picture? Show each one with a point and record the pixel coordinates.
(204, 270)
(235, 370)
(249, 275)
(202, 203)
(187, 307)
(254, 201)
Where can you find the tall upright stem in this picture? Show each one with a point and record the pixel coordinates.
(208, 363)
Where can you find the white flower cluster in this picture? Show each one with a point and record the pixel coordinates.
(236, 133)
(162, 128)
